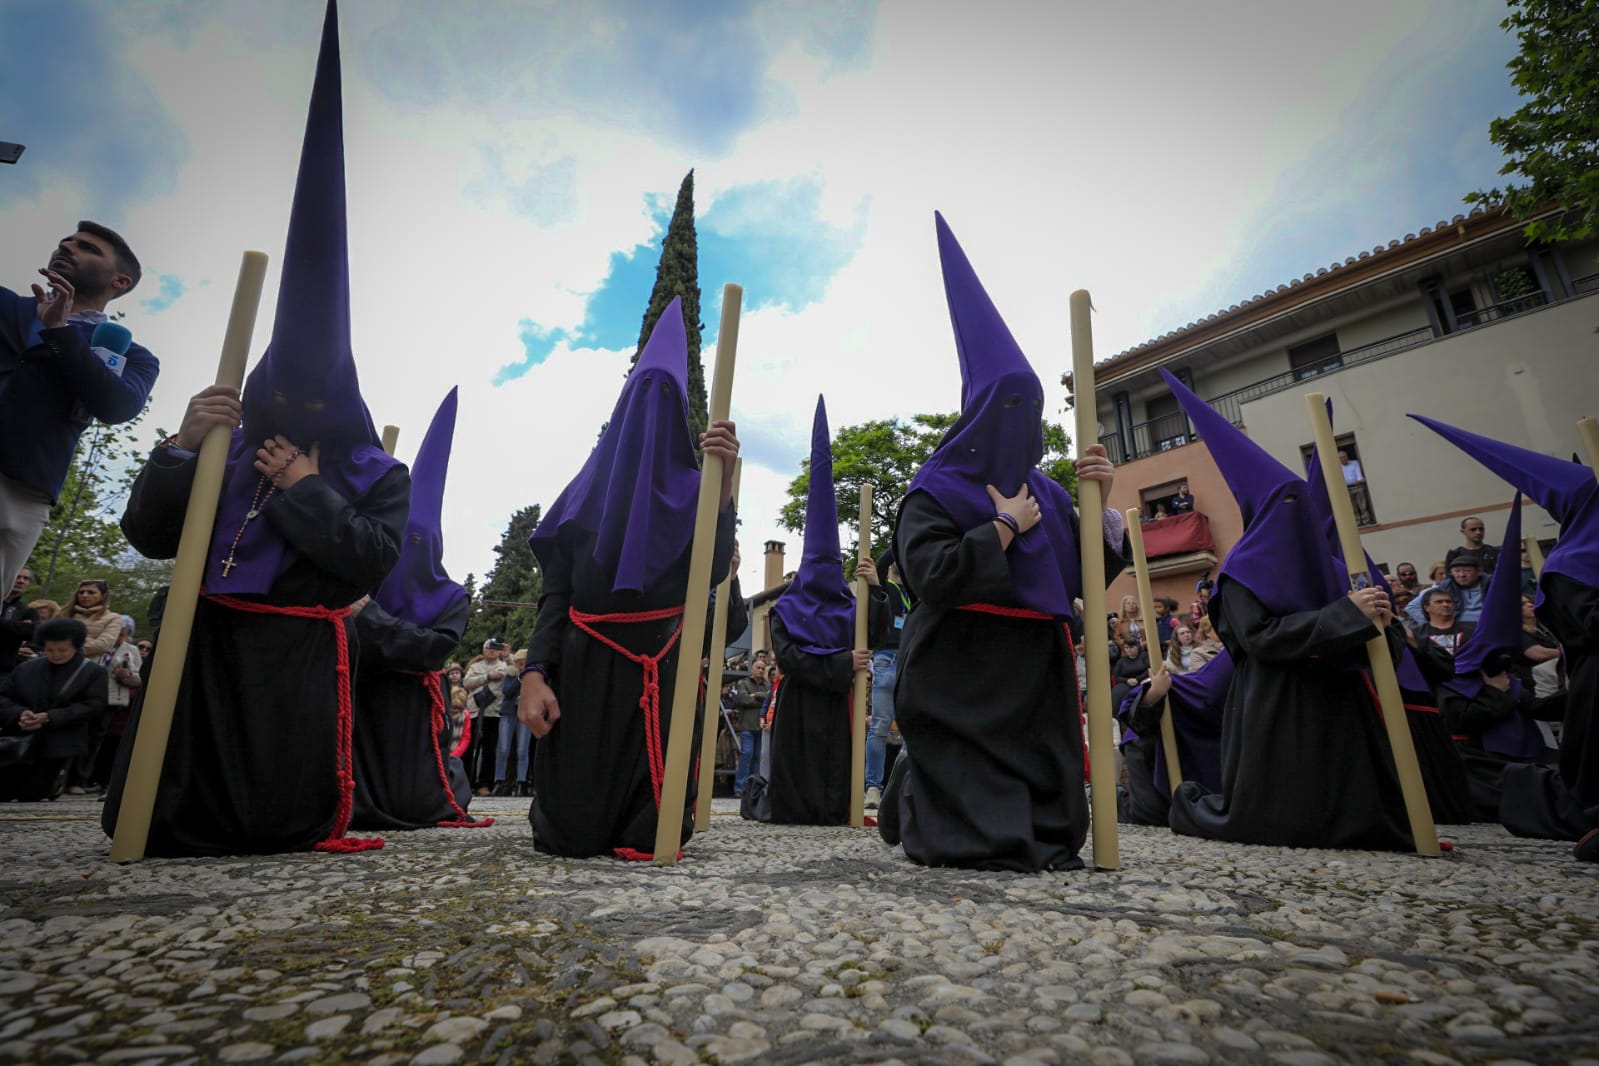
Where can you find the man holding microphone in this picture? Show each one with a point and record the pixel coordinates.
(63, 364)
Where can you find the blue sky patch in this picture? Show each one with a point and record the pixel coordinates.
(768, 237)
(97, 123)
(170, 288)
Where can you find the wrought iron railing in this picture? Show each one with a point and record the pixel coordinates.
(1171, 431)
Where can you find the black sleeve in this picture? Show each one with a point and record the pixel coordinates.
(395, 644)
(1473, 715)
(555, 598)
(726, 533)
(21, 624)
(945, 566)
(879, 615)
(10, 709)
(1335, 629)
(831, 673)
(153, 518)
(360, 540)
(737, 618)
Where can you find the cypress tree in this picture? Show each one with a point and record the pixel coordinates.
(678, 275)
(513, 579)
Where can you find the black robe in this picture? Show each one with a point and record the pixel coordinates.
(1562, 803)
(810, 735)
(988, 707)
(1305, 758)
(251, 762)
(397, 752)
(1469, 716)
(593, 791)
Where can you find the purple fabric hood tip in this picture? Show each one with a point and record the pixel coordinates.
(1283, 557)
(305, 385)
(999, 440)
(818, 609)
(1499, 630)
(1568, 491)
(418, 589)
(637, 491)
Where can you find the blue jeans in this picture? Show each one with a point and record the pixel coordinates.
(749, 757)
(885, 669)
(511, 728)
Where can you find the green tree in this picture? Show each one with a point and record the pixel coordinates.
(505, 607)
(888, 453)
(82, 538)
(1552, 141)
(678, 275)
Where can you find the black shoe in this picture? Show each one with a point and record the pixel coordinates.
(521, 791)
(502, 788)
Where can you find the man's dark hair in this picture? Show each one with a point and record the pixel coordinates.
(1431, 594)
(126, 261)
(1469, 518)
(62, 629)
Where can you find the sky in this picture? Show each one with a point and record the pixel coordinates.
(511, 167)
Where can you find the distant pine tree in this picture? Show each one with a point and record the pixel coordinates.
(513, 579)
(678, 275)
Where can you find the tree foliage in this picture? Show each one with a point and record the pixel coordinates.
(887, 453)
(678, 275)
(504, 606)
(83, 538)
(1552, 141)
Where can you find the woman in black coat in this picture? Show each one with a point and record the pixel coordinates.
(54, 699)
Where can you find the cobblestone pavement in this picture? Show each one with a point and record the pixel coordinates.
(790, 945)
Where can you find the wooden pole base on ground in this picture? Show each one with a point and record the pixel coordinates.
(161, 695)
(1090, 504)
(1383, 675)
(863, 678)
(680, 741)
(1157, 666)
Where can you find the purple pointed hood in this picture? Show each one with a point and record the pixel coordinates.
(418, 589)
(304, 386)
(1283, 556)
(999, 440)
(1568, 491)
(1499, 631)
(817, 608)
(637, 491)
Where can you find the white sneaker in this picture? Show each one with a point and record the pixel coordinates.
(874, 797)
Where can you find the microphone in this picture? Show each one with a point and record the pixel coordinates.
(114, 337)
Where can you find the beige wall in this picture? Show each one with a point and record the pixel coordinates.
(1525, 380)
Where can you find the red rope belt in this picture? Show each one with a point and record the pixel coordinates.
(1420, 708)
(1071, 649)
(649, 700)
(430, 683)
(336, 840)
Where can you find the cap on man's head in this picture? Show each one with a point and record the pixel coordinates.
(1466, 558)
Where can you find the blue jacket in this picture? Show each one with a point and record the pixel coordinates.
(52, 386)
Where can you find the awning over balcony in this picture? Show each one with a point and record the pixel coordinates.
(1177, 535)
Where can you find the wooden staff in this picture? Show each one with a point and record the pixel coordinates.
(863, 678)
(1534, 555)
(709, 720)
(1157, 665)
(1383, 675)
(674, 788)
(1588, 429)
(161, 695)
(1090, 505)
(391, 437)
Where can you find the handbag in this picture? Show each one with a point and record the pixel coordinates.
(18, 751)
(483, 697)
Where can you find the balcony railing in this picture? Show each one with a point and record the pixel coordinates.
(1171, 431)
(1159, 435)
(1231, 404)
